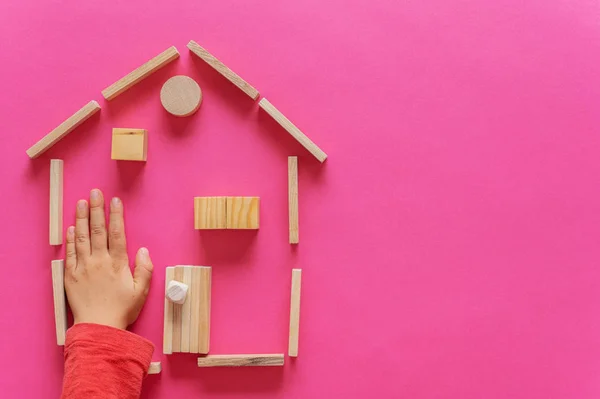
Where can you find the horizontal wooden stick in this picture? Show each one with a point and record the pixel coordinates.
(241, 360)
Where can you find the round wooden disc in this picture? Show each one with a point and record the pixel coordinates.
(181, 95)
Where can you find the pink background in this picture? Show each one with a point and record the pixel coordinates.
(449, 244)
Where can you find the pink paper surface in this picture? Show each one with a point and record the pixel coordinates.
(449, 244)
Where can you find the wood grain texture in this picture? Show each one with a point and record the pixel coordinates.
(56, 201)
(195, 310)
(243, 212)
(292, 129)
(204, 293)
(210, 213)
(155, 368)
(140, 73)
(223, 70)
(129, 144)
(60, 302)
(177, 314)
(168, 316)
(295, 312)
(63, 129)
(186, 310)
(181, 96)
(241, 360)
(293, 199)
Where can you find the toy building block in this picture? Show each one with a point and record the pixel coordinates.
(241, 360)
(209, 213)
(295, 312)
(56, 202)
(60, 303)
(129, 144)
(168, 316)
(292, 129)
(155, 368)
(181, 96)
(293, 198)
(187, 326)
(223, 70)
(186, 311)
(177, 292)
(243, 212)
(63, 129)
(140, 73)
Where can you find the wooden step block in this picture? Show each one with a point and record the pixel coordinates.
(241, 360)
(129, 144)
(140, 73)
(155, 368)
(60, 302)
(56, 202)
(243, 212)
(63, 129)
(187, 326)
(209, 213)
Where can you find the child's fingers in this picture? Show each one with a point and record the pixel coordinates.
(117, 244)
(82, 230)
(71, 255)
(97, 221)
(142, 273)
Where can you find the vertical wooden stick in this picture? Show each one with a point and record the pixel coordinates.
(60, 303)
(295, 312)
(293, 198)
(168, 321)
(177, 314)
(56, 202)
(204, 313)
(186, 311)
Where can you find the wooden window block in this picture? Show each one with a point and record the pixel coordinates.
(187, 326)
(63, 129)
(241, 360)
(223, 70)
(295, 312)
(292, 129)
(56, 202)
(129, 144)
(293, 199)
(60, 302)
(209, 213)
(243, 212)
(140, 73)
(155, 368)
(181, 96)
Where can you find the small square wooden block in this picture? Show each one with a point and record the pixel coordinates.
(209, 213)
(243, 212)
(129, 144)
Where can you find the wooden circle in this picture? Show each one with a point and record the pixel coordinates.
(181, 96)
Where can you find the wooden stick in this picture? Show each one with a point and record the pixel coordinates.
(223, 70)
(295, 312)
(292, 129)
(168, 321)
(60, 303)
(56, 202)
(186, 311)
(204, 312)
(155, 368)
(177, 314)
(293, 198)
(195, 310)
(140, 73)
(63, 129)
(241, 360)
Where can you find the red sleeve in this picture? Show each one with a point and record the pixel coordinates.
(104, 362)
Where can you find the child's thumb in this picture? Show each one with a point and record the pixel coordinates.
(143, 271)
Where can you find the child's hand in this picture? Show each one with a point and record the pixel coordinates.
(98, 280)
